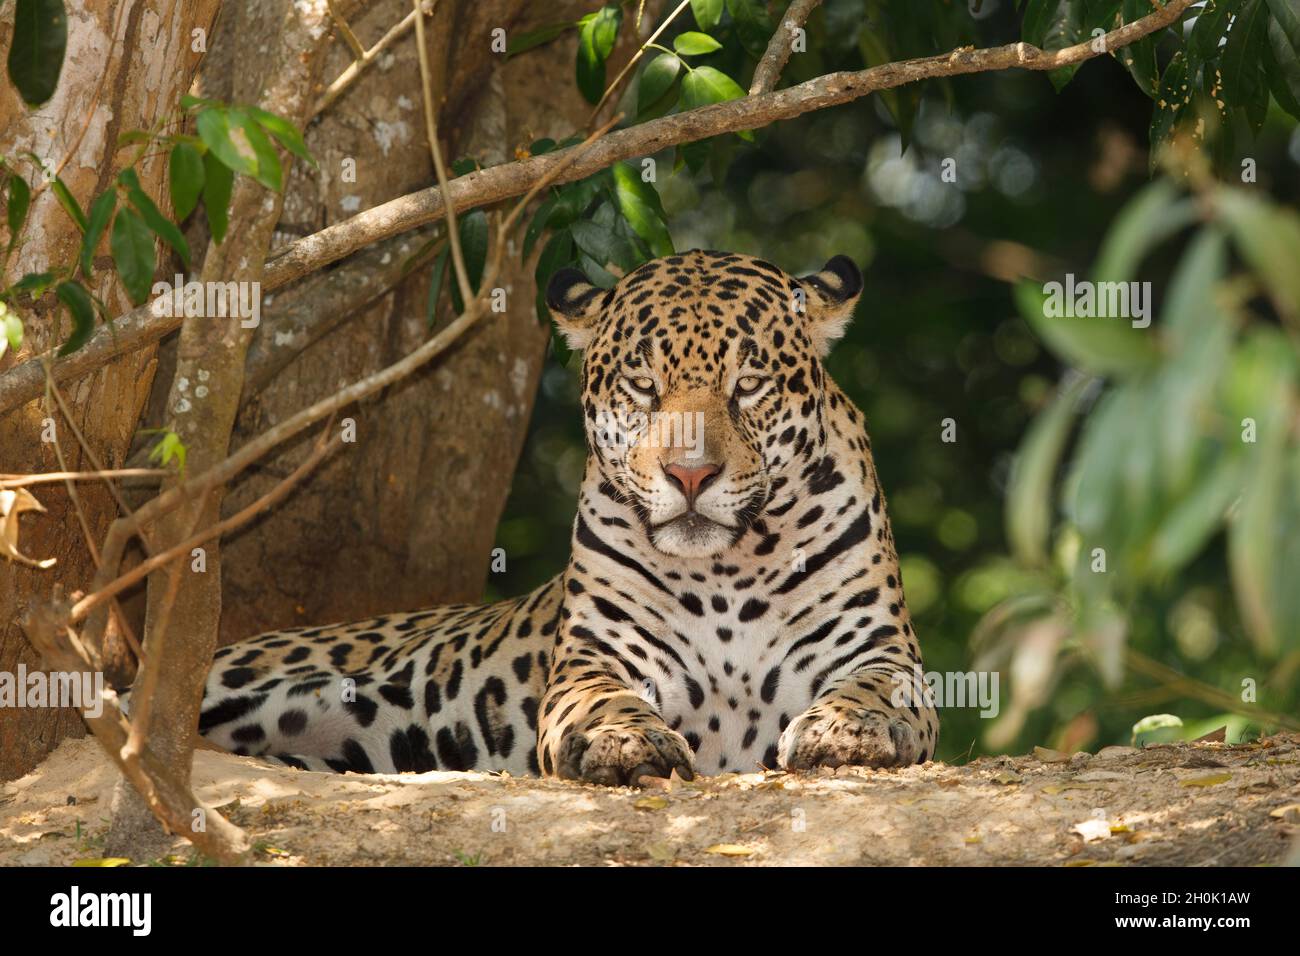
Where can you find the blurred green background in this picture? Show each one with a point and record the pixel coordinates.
(1042, 178)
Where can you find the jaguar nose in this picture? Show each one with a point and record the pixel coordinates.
(691, 478)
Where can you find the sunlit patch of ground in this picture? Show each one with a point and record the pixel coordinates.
(1178, 804)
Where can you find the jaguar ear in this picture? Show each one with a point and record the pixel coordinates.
(576, 305)
(830, 296)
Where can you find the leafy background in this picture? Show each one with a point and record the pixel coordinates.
(998, 574)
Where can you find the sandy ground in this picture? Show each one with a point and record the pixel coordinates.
(1181, 804)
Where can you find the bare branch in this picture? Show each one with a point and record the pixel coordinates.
(172, 801)
(346, 78)
(47, 477)
(780, 46)
(480, 188)
(618, 80)
(350, 38)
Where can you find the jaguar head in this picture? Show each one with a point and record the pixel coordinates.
(703, 389)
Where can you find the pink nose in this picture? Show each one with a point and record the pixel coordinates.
(691, 479)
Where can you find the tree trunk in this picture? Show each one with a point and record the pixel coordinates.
(407, 515)
(127, 64)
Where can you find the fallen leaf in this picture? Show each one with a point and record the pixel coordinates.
(651, 803)
(1047, 755)
(102, 861)
(1206, 781)
(731, 849)
(1214, 736)
(13, 502)
(1290, 813)
(972, 840)
(661, 852)
(1007, 777)
(1093, 829)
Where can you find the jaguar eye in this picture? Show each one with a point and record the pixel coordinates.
(642, 383)
(749, 384)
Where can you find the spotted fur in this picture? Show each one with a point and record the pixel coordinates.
(730, 603)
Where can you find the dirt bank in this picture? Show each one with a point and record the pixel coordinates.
(1181, 804)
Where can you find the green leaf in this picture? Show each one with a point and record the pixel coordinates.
(1151, 217)
(473, 231)
(20, 199)
(218, 179)
(541, 219)
(1282, 66)
(1170, 105)
(1102, 346)
(161, 226)
(435, 284)
(269, 171)
(169, 448)
(596, 39)
(77, 300)
(656, 83)
(133, 253)
(704, 85)
(604, 245)
(1195, 517)
(522, 42)
(707, 13)
(1268, 237)
(1029, 494)
(69, 202)
(1244, 84)
(185, 172)
(215, 127)
(101, 211)
(753, 25)
(691, 43)
(1286, 13)
(1205, 40)
(40, 39)
(1266, 521)
(13, 329)
(34, 284)
(1140, 58)
(641, 207)
(285, 133)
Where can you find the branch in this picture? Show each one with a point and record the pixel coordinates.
(106, 581)
(172, 801)
(46, 477)
(780, 47)
(138, 328)
(345, 79)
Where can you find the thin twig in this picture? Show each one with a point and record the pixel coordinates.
(431, 129)
(1211, 695)
(350, 38)
(141, 327)
(47, 477)
(618, 80)
(144, 568)
(120, 532)
(781, 46)
(348, 76)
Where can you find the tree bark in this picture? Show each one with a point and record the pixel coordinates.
(407, 515)
(127, 63)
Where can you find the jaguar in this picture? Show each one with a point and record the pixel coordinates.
(732, 600)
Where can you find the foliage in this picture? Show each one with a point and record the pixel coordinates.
(1138, 443)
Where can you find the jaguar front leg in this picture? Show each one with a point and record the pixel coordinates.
(879, 715)
(595, 725)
